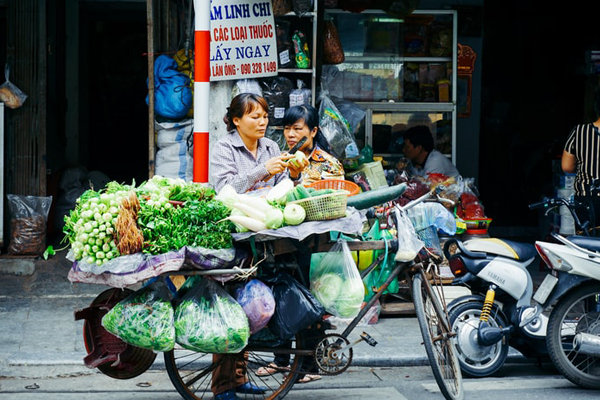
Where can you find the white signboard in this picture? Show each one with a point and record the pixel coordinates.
(242, 39)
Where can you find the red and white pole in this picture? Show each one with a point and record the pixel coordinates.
(201, 89)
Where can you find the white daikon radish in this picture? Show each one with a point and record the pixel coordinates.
(251, 211)
(248, 222)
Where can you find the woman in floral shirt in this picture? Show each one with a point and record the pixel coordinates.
(303, 121)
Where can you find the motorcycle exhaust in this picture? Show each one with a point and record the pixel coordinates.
(586, 343)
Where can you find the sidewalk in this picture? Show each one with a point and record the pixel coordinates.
(38, 326)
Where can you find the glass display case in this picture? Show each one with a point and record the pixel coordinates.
(401, 71)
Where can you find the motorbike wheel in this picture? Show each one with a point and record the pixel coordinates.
(475, 359)
(577, 312)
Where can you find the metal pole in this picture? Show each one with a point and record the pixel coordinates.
(150, 33)
(201, 89)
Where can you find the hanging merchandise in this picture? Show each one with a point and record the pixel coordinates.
(302, 7)
(276, 92)
(10, 94)
(301, 50)
(246, 86)
(258, 303)
(332, 45)
(145, 318)
(281, 7)
(301, 95)
(209, 320)
(172, 92)
(296, 308)
(285, 47)
(336, 283)
(334, 126)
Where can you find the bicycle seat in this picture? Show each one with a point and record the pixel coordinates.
(502, 247)
(587, 242)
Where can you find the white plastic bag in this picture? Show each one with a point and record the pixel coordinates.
(336, 283)
(409, 243)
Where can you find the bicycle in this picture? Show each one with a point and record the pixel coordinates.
(190, 372)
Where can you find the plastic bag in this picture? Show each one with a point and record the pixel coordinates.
(409, 243)
(296, 307)
(10, 94)
(209, 320)
(172, 91)
(276, 92)
(334, 126)
(301, 95)
(258, 303)
(332, 45)
(301, 51)
(285, 48)
(28, 222)
(145, 318)
(302, 7)
(336, 283)
(377, 277)
(246, 86)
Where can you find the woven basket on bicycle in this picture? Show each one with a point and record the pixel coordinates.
(325, 207)
(337, 184)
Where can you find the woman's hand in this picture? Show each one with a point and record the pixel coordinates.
(297, 167)
(277, 165)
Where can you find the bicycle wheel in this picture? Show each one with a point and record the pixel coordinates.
(191, 372)
(578, 313)
(439, 346)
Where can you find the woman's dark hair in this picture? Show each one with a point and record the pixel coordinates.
(420, 135)
(241, 105)
(311, 118)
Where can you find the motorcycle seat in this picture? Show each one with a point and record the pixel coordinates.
(502, 247)
(587, 242)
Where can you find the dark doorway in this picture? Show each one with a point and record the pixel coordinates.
(114, 71)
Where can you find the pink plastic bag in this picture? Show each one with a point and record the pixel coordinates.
(258, 303)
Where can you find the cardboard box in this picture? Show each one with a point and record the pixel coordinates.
(372, 172)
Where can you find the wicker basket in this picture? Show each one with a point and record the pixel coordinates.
(325, 207)
(337, 184)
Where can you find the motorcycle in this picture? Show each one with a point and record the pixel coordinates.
(502, 311)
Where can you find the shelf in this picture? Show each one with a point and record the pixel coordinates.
(406, 106)
(296, 70)
(394, 59)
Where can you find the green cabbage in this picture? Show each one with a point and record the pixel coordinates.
(294, 214)
(350, 301)
(274, 218)
(326, 288)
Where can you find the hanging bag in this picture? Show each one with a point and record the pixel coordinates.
(145, 318)
(10, 94)
(336, 283)
(409, 243)
(333, 53)
(209, 320)
(296, 308)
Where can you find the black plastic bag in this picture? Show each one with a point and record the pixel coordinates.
(295, 307)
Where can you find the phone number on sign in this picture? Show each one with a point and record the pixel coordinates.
(258, 68)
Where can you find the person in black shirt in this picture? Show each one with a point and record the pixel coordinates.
(581, 156)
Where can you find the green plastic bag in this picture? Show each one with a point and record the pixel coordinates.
(379, 274)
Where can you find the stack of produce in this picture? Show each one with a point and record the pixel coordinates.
(254, 213)
(161, 215)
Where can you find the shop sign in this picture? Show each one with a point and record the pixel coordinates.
(242, 39)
